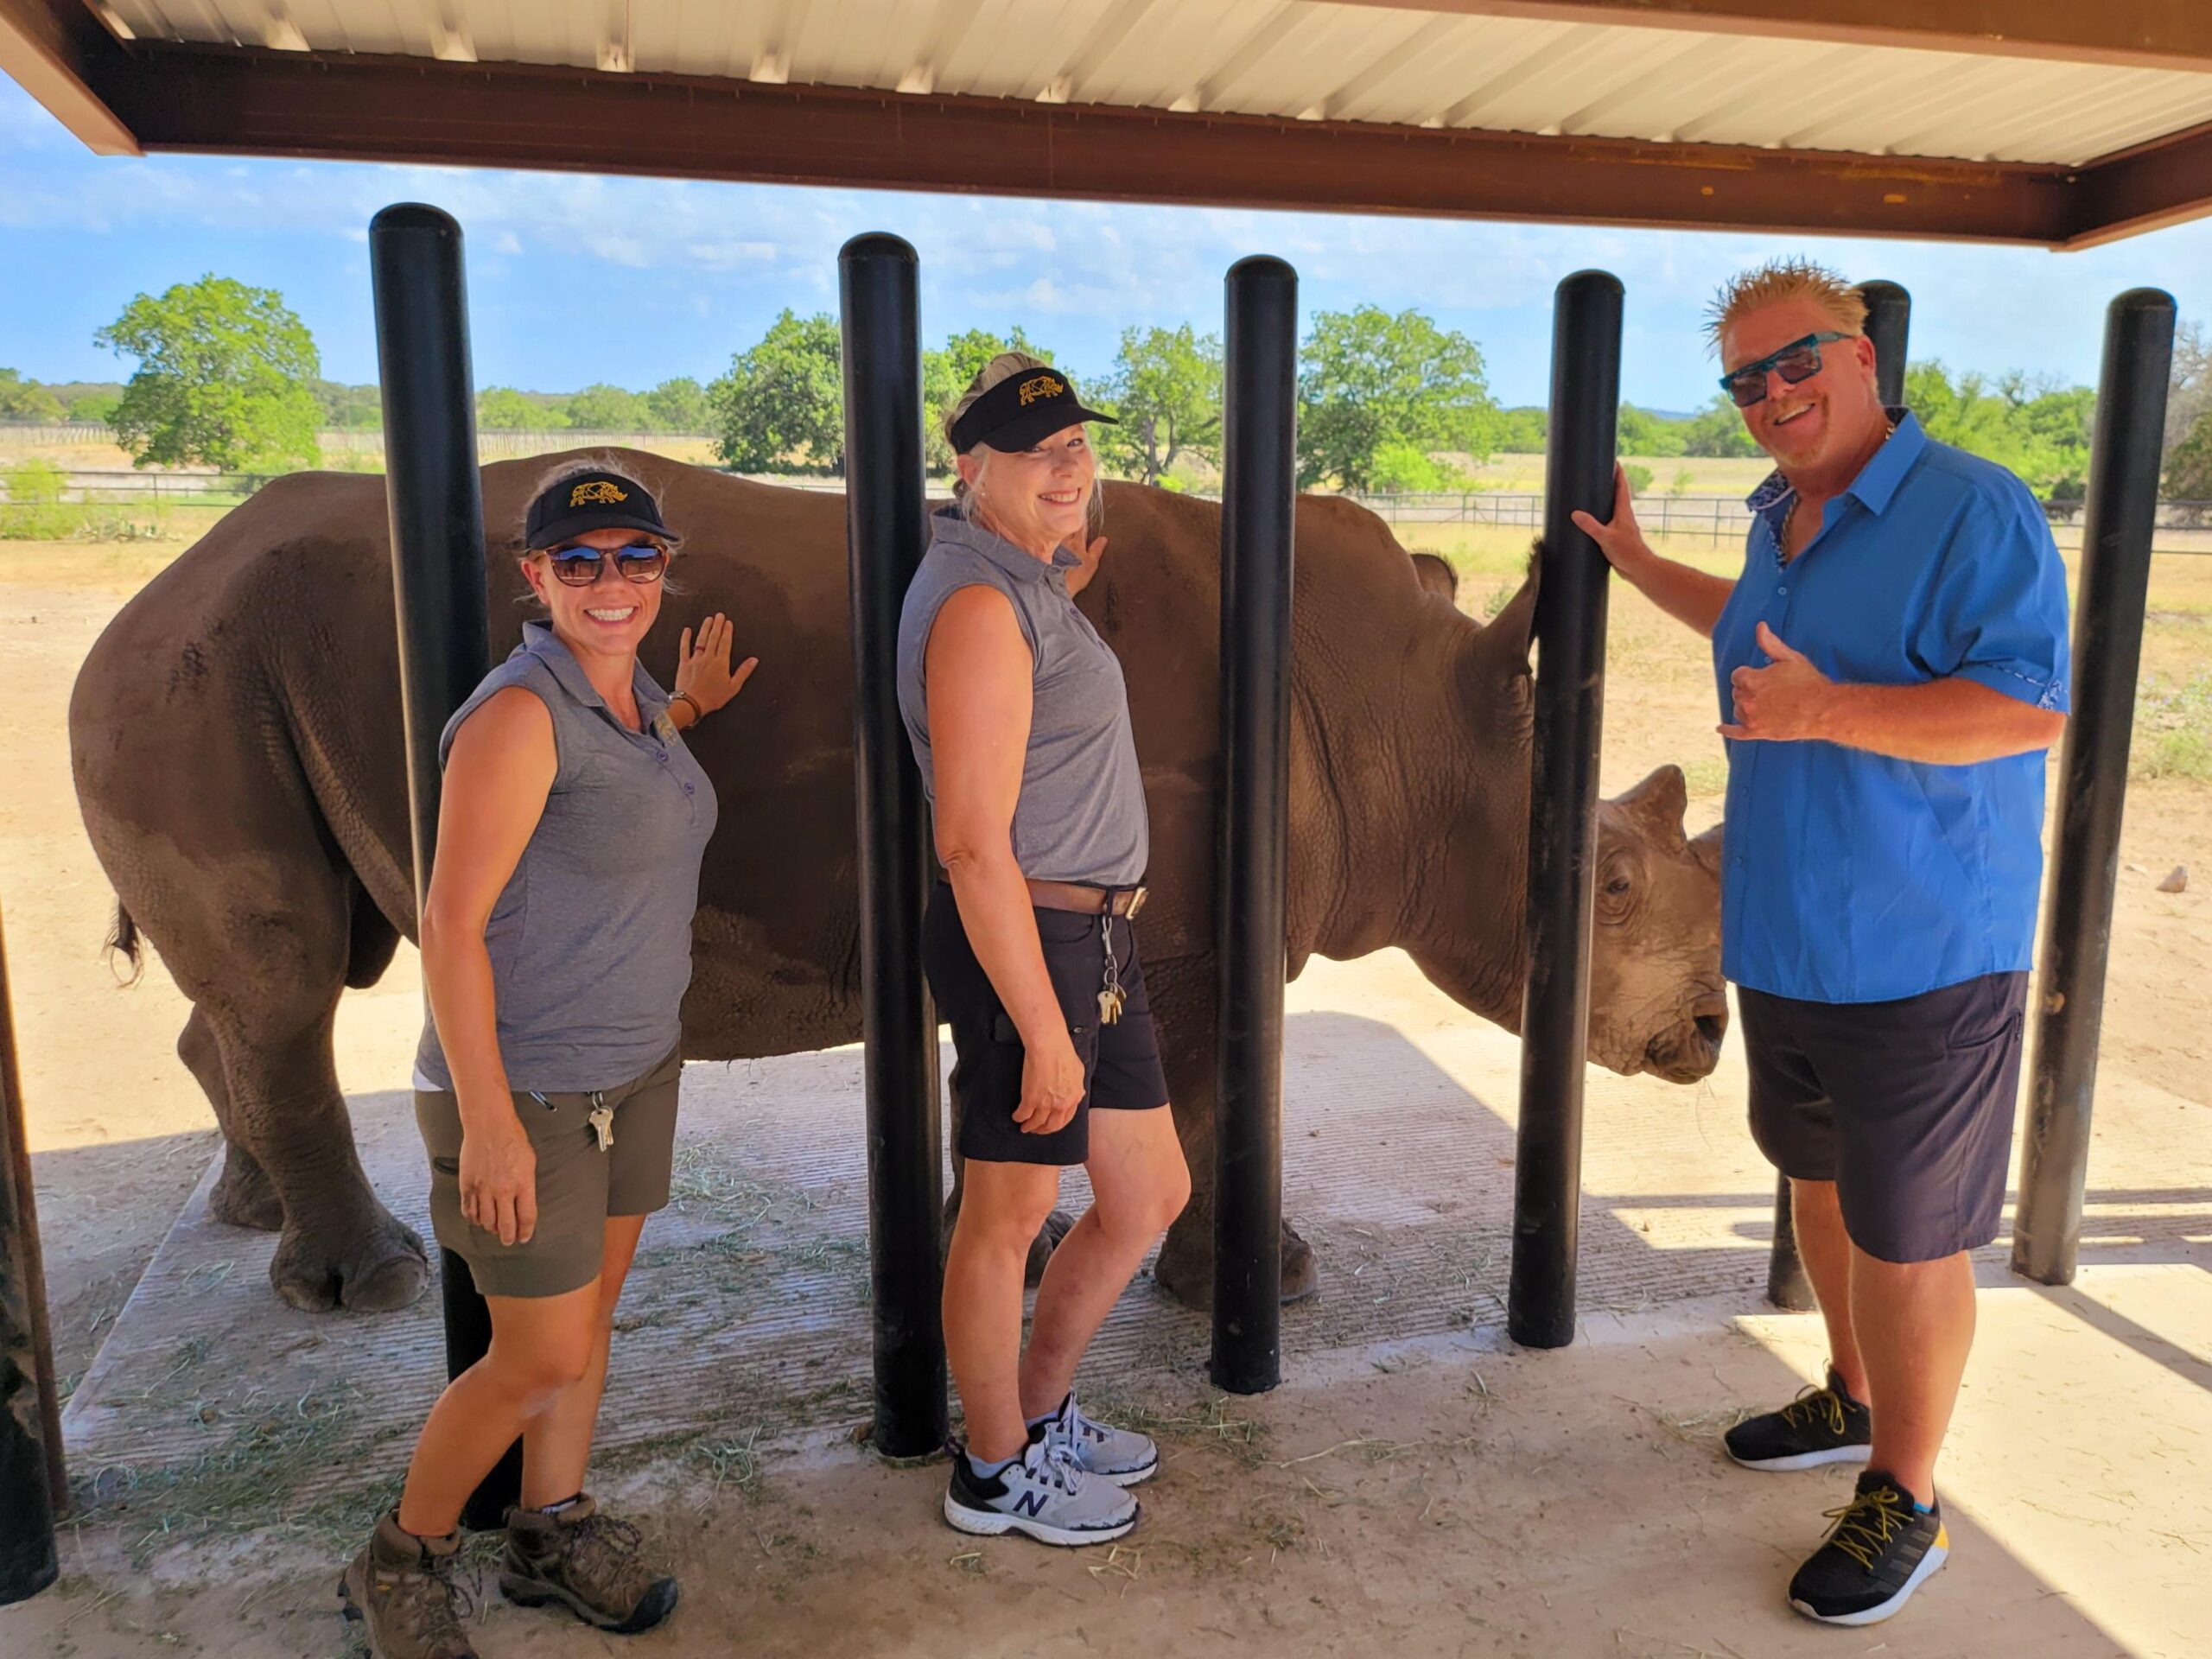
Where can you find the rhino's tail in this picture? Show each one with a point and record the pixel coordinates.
(123, 941)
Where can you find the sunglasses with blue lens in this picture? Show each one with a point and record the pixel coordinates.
(1799, 360)
(579, 567)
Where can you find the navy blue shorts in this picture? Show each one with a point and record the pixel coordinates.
(1906, 1106)
(1121, 1062)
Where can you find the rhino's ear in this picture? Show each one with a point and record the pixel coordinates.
(1657, 804)
(1437, 576)
(1706, 848)
(1504, 643)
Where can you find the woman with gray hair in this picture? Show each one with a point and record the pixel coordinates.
(1020, 722)
(557, 946)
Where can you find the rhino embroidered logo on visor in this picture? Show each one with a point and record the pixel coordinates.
(599, 490)
(1043, 386)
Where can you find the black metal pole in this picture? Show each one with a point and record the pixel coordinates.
(2118, 519)
(1259, 479)
(885, 535)
(1570, 695)
(436, 499)
(1889, 320)
(34, 1490)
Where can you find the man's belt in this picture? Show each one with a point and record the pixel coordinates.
(1087, 900)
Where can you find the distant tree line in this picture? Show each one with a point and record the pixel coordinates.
(227, 375)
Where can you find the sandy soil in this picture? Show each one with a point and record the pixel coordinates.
(1318, 1531)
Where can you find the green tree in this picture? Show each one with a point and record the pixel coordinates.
(1520, 431)
(1717, 431)
(1369, 379)
(94, 405)
(602, 408)
(502, 409)
(677, 405)
(1166, 388)
(782, 405)
(2038, 431)
(1643, 433)
(225, 378)
(2189, 464)
(26, 400)
(349, 409)
(948, 373)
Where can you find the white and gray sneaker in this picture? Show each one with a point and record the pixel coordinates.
(1043, 1493)
(1121, 1455)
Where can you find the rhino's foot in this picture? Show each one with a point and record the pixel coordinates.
(1185, 1268)
(244, 1196)
(372, 1266)
(1047, 1240)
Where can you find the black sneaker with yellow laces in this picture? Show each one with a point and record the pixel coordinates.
(1821, 1426)
(1881, 1549)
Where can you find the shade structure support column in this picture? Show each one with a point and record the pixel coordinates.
(1570, 695)
(1259, 483)
(2125, 451)
(878, 278)
(435, 496)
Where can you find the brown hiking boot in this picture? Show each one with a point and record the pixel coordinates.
(403, 1588)
(586, 1563)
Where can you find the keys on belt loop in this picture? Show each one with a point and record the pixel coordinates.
(602, 1120)
(1109, 995)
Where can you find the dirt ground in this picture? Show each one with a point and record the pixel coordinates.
(1321, 1520)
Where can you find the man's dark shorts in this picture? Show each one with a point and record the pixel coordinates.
(1906, 1106)
(1121, 1061)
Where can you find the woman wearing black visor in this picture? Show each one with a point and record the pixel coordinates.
(1020, 724)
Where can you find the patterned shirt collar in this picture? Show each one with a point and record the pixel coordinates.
(1878, 479)
(947, 524)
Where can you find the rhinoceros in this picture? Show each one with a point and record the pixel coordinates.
(237, 747)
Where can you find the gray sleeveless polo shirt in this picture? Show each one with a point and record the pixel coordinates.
(1081, 813)
(591, 940)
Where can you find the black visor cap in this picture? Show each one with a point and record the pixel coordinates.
(1022, 411)
(589, 501)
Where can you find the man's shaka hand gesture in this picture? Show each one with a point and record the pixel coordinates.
(1785, 702)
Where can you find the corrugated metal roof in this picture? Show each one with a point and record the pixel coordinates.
(1288, 58)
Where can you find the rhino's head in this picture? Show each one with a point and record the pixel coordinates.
(1657, 1002)
(1657, 998)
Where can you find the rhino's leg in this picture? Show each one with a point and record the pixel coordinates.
(243, 1195)
(339, 1246)
(1183, 1000)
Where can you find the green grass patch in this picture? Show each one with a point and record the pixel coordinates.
(2173, 728)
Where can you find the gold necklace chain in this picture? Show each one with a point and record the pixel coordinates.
(1789, 512)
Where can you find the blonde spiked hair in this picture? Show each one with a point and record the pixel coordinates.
(1004, 366)
(1784, 279)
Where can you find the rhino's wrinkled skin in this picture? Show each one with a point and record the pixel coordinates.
(239, 756)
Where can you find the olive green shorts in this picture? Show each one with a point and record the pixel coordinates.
(579, 1184)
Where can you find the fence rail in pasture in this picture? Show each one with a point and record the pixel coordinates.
(1719, 520)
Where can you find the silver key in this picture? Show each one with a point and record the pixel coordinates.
(602, 1122)
(1110, 1005)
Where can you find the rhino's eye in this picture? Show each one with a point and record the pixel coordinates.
(1616, 888)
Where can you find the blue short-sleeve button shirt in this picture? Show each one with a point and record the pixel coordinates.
(1853, 877)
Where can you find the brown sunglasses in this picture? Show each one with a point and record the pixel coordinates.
(579, 567)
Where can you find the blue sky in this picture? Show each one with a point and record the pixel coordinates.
(575, 279)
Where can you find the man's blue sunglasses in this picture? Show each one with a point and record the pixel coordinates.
(1799, 360)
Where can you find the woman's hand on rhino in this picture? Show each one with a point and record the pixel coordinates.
(499, 1181)
(703, 669)
(1619, 539)
(1052, 1086)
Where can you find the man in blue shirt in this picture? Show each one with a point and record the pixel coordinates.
(1891, 665)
